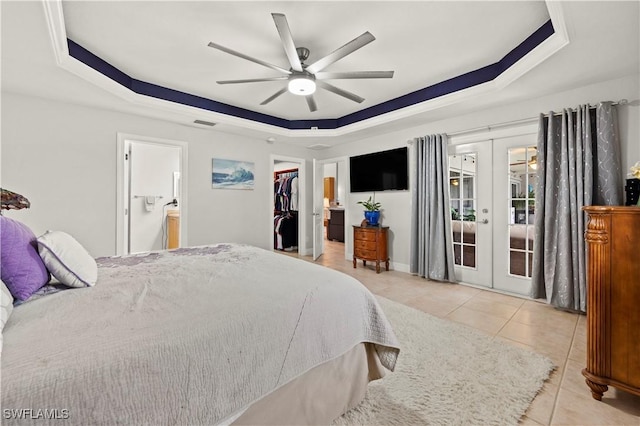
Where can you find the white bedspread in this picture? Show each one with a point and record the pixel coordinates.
(189, 336)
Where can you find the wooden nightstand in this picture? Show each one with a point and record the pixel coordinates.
(370, 243)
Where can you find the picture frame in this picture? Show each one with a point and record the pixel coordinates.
(232, 174)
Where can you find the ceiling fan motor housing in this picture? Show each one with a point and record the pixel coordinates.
(303, 53)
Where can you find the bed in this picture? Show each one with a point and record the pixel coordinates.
(220, 334)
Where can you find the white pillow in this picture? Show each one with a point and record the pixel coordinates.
(67, 260)
(6, 306)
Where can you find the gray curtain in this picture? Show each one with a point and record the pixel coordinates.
(431, 246)
(578, 165)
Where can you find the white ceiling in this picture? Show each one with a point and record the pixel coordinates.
(424, 42)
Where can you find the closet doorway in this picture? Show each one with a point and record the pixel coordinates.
(151, 194)
(287, 204)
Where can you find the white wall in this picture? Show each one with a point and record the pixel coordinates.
(397, 204)
(63, 158)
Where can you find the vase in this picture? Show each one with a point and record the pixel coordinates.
(372, 217)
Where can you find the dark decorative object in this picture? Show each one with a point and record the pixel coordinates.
(13, 201)
(373, 217)
(632, 188)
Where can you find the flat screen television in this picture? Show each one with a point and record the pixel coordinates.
(380, 171)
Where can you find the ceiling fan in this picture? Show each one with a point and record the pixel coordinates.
(532, 163)
(303, 79)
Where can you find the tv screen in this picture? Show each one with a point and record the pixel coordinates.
(380, 171)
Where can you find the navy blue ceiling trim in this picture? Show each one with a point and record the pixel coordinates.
(464, 81)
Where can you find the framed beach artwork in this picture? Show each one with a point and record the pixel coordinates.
(232, 174)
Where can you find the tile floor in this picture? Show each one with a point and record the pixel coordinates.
(565, 398)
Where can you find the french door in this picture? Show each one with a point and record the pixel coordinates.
(492, 193)
(514, 176)
(471, 201)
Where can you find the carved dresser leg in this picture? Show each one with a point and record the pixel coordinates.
(597, 390)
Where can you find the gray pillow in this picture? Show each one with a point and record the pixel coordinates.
(67, 260)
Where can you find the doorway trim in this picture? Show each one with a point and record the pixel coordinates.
(303, 250)
(122, 182)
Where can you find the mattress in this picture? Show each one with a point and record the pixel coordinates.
(186, 336)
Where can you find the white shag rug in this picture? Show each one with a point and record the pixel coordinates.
(449, 374)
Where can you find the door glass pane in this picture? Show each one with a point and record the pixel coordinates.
(522, 184)
(469, 246)
(462, 192)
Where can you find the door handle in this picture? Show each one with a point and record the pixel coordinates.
(485, 221)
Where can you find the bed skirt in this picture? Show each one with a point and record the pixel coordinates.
(320, 395)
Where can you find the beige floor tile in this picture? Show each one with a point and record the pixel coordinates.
(537, 337)
(501, 298)
(535, 314)
(581, 330)
(432, 306)
(492, 307)
(578, 351)
(482, 321)
(581, 409)
(400, 294)
(573, 379)
(541, 409)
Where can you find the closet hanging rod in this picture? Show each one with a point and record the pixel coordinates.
(516, 122)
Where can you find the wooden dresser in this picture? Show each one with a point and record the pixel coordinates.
(370, 243)
(613, 299)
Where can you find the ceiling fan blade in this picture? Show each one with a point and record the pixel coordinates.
(312, 103)
(287, 40)
(353, 74)
(252, 80)
(275, 95)
(339, 91)
(248, 58)
(341, 52)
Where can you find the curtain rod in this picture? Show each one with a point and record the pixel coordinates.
(521, 121)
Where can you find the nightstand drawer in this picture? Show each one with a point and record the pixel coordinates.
(365, 254)
(365, 245)
(365, 234)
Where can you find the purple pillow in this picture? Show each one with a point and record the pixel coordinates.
(22, 269)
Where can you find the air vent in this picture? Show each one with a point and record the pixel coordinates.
(318, 146)
(205, 123)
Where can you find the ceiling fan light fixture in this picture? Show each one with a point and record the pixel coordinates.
(301, 85)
